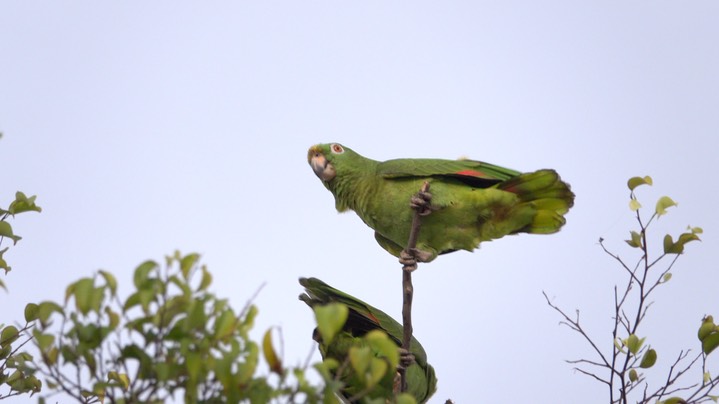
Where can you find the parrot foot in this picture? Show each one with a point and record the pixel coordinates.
(406, 359)
(408, 260)
(410, 257)
(421, 202)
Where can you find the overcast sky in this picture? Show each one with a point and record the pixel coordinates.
(145, 127)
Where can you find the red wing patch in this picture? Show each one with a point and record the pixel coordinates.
(371, 316)
(472, 173)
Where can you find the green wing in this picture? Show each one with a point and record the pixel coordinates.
(476, 173)
(364, 318)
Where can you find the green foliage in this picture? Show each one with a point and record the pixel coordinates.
(14, 371)
(360, 347)
(21, 204)
(708, 335)
(169, 338)
(330, 319)
(621, 368)
(369, 363)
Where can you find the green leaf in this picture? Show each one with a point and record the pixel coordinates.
(15, 376)
(225, 325)
(51, 356)
(45, 310)
(110, 281)
(405, 398)
(706, 328)
(142, 272)
(663, 203)
(6, 231)
(206, 279)
(3, 263)
(163, 371)
(330, 319)
(634, 205)
(360, 358)
(710, 343)
(187, 263)
(377, 370)
(68, 354)
(667, 276)
(633, 377)
(174, 279)
(44, 341)
(383, 346)
(673, 400)
(114, 318)
(270, 354)
(670, 247)
(634, 344)
(193, 362)
(83, 295)
(619, 345)
(636, 239)
(4, 353)
(249, 321)
(637, 181)
(120, 378)
(649, 359)
(196, 318)
(31, 312)
(246, 370)
(135, 352)
(8, 335)
(132, 301)
(687, 237)
(326, 367)
(90, 361)
(23, 204)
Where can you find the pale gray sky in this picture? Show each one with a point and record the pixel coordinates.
(149, 127)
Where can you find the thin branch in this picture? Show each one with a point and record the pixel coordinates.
(587, 361)
(590, 374)
(407, 268)
(574, 324)
(616, 257)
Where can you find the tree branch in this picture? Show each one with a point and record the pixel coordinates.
(407, 268)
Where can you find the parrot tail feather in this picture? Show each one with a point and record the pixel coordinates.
(545, 195)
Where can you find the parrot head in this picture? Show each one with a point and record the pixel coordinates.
(326, 158)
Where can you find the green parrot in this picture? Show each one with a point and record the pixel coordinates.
(363, 318)
(471, 201)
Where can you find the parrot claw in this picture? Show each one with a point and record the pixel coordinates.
(408, 260)
(422, 203)
(410, 257)
(406, 359)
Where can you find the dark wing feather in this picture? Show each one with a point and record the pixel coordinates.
(474, 173)
(362, 318)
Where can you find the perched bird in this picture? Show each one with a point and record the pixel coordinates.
(471, 201)
(363, 318)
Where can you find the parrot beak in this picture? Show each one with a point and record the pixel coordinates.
(322, 168)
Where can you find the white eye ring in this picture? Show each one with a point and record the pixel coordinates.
(337, 148)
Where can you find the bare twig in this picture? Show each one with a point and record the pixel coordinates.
(574, 324)
(407, 288)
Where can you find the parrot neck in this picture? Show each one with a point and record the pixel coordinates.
(353, 188)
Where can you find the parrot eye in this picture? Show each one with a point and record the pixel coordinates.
(336, 148)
